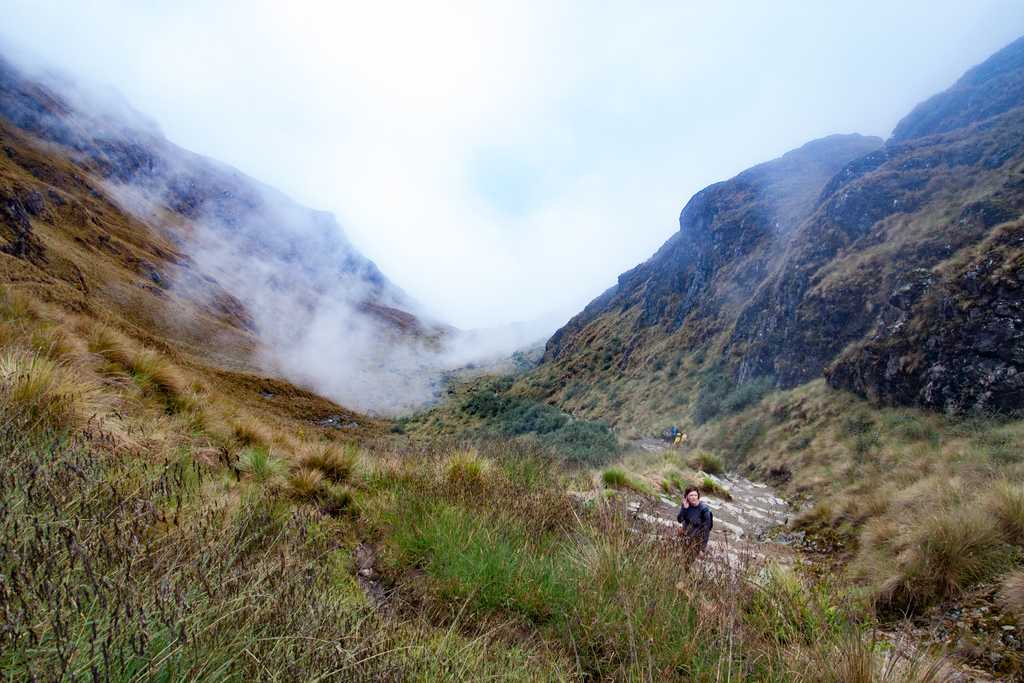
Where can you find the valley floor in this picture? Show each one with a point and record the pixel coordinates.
(165, 521)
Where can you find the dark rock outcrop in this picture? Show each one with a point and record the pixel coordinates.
(730, 234)
(955, 344)
(875, 261)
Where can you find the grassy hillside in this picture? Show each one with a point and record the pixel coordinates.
(154, 526)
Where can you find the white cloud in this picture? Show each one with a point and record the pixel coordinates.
(382, 113)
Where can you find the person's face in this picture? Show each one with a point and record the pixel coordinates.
(692, 497)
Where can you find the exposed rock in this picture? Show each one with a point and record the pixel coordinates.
(337, 422)
(16, 213)
(961, 348)
(873, 260)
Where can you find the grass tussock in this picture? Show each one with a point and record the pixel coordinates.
(1006, 505)
(261, 464)
(708, 462)
(937, 554)
(306, 484)
(711, 487)
(465, 470)
(336, 463)
(248, 430)
(618, 478)
(43, 395)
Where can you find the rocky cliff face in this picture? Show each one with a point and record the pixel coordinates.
(832, 259)
(730, 236)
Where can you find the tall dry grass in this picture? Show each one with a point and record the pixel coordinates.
(40, 394)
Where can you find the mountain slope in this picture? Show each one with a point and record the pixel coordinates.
(197, 252)
(774, 273)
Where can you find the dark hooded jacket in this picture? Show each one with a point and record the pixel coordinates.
(697, 522)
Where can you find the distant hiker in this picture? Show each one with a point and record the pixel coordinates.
(679, 440)
(670, 434)
(696, 518)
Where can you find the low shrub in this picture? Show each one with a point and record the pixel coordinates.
(800, 442)
(856, 423)
(484, 403)
(865, 443)
(583, 442)
(719, 395)
(523, 416)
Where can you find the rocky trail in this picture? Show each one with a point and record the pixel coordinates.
(742, 521)
(741, 540)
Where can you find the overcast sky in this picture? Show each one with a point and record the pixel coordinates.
(502, 161)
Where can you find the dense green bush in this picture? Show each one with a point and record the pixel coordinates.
(584, 442)
(577, 441)
(484, 403)
(522, 416)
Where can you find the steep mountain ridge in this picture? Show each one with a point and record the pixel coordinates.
(776, 272)
(198, 254)
(730, 234)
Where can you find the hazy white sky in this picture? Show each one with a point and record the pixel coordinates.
(501, 161)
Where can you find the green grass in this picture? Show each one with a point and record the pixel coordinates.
(487, 564)
(711, 487)
(615, 478)
(579, 442)
(708, 462)
(261, 465)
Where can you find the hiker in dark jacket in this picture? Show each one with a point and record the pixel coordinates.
(696, 518)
